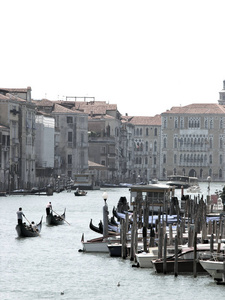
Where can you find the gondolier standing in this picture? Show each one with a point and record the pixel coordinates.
(20, 215)
(48, 208)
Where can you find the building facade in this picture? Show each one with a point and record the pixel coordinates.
(192, 141)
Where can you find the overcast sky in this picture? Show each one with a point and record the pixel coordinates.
(145, 56)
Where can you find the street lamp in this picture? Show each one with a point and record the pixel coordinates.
(105, 216)
(209, 180)
(208, 197)
(105, 196)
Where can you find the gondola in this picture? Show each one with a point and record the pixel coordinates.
(80, 193)
(98, 229)
(24, 230)
(55, 219)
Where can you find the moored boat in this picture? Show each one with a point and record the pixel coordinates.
(55, 219)
(185, 260)
(24, 230)
(98, 245)
(98, 229)
(215, 267)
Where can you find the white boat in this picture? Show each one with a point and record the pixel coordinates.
(194, 189)
(99, 244)
(144, 259)
(182, 181)
(215, 268)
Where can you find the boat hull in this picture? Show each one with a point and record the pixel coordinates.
(184, 266)
(26, 231)
(214, 268)
(55, 220)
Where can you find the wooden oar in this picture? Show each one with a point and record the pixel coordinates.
(61, 217)
(32, 226)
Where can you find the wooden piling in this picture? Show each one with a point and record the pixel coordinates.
(195, 256)
(176, 258)
(165, 255)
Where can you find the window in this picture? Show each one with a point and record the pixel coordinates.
(176, 123)
(155, 146)
(155, 132)
(146, 131)
(221, 158)
(70, 136)
(175, 158)
(69, 120)
(69, 159)
(221, 143)
(211, 124)
(164, 143)
(175, 142)
(146, 146)
(164, 158)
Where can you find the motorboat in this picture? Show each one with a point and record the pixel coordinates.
(181, 181)
(215, 267)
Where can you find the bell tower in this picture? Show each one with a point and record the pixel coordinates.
(221, 101)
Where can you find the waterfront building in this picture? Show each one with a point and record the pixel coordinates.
(70, 138)
(44, 148)
(4, 157)
(147, 143)
(17, 112)
(192, 141)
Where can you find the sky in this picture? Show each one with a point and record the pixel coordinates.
(146, 56)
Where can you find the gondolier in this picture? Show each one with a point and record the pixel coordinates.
(48, 208)
(20, 215)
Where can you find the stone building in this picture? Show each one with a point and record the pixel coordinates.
(17, 112)
(147, 143)
(192, 141)
(70, 140)
(4, 157)
(44, 148)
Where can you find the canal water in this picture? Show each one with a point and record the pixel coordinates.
(51, 267)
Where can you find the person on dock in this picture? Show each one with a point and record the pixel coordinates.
(48, 208)
(20, 215)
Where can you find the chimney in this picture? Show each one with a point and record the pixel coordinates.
(28, 94)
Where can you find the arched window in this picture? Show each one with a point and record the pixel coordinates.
(210, 158)
(146, 146)
(175, 159)
(137, 131)
(164, 158)
(155, 146)
(220, 173)
(164, 143)
(175, 142)
(221, 143)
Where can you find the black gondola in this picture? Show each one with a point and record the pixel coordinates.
(55, 219)
(80, 193)
(24, 230)
(98, 229)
